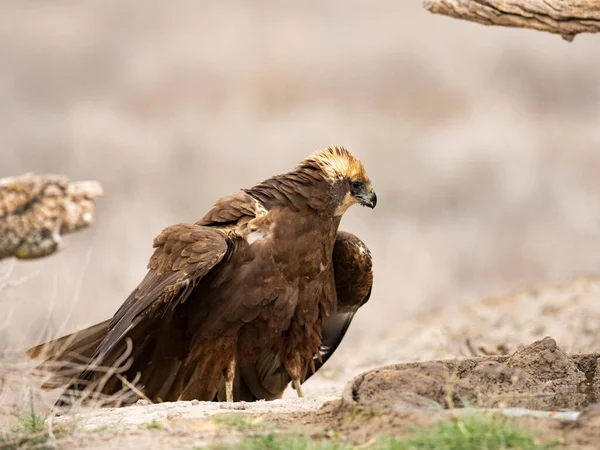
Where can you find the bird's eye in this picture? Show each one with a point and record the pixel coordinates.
(356, 185)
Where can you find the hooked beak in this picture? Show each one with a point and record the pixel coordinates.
(369, 200)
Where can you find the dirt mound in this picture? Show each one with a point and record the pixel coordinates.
(547, 363)
(538, 376)
(419, 387)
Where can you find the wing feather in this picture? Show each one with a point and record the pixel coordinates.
(231, 209)
(183, 254)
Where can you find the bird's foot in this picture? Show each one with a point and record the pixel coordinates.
(229, 391)
(298, 387)
(229, 377)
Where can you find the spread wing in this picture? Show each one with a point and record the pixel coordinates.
(353, 269)
(152, 318)
(183, 254)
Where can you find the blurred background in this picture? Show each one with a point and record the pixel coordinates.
(482, 143)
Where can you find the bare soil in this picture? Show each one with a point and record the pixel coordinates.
(390, 400)
(364, 393)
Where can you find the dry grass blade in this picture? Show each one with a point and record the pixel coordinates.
(20, 376)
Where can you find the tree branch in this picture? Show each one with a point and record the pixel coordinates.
(35, 210)
(565, 17)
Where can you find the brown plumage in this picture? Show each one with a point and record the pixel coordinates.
(255, 285)
(267, 379)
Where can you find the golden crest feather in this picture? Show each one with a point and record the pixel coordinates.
(337, 162)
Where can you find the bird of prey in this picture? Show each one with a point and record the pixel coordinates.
(255, 294)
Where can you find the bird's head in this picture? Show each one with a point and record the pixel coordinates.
(347, 177)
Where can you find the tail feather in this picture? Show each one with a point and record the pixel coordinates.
(78, 342)
(148, 359)
(65, 357)
(104, 379)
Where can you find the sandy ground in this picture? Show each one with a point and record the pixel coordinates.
(569, 312)
(539, 376)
